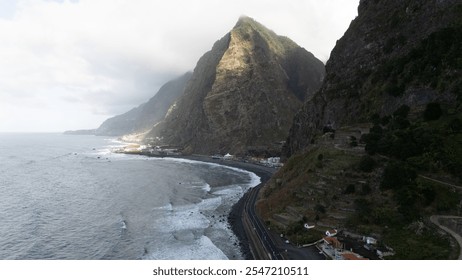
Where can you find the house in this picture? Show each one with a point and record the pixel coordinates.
(331, 247)
(331, 233)
(332, 242)
(228, 157)
(274, 160)
(307, 226)
(334, 249)
(370, 240)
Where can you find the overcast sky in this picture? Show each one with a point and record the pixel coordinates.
(71, 64)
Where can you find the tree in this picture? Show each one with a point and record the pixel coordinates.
(455, 125)
(350, 189)
(402, 111)
(432, 111)
(398, 174)
(367, 164)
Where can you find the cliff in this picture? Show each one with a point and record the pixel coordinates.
(243, 94)
(145, 116)
(393, 53)
(378, 149)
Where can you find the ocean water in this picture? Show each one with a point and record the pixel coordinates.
(69, 197)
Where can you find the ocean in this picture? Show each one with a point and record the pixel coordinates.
(70, 197)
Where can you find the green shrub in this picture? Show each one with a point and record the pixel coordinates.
(363, 209)
(367, 164)
(366, 189)
(350, 189)
(455, 126)
(319, 208)
(402, 111)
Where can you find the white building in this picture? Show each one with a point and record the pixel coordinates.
(228, 156)
(331, 233)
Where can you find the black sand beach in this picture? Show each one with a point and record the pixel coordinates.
(235, 214)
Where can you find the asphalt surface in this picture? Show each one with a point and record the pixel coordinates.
(258, 226)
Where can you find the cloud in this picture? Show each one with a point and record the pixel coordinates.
(107, 56)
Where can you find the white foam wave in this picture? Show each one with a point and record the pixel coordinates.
(229, 190)
(206, 187)
(255, 180)
(210, 203)
(186, 217)
(168, 207)
(198, 249)
(185, 230)
(197, 185)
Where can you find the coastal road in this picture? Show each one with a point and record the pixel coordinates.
(265, 244)
(262, 242)
(258, 227)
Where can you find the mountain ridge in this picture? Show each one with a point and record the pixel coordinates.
(243, 93)
(142, 118)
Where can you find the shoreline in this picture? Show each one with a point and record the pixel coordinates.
(236, 212)
(235, 216)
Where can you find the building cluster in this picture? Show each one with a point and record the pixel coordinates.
(333, 248)
(270, 162)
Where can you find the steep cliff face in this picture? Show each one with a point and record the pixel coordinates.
(375, 149)
(145, 116)
(243, 93)
(394, 53)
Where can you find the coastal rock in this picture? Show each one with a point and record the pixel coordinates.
(242, 95)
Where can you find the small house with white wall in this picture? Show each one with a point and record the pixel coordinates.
(228, 156)
(331, 232)
(370, 240)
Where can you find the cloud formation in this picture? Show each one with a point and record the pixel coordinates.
(71, 64)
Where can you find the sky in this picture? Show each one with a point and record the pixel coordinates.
(71, 64)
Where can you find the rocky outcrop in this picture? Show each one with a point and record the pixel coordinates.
(243, 93)
(145, 116)
(394, 53)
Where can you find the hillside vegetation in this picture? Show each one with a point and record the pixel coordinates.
(378, 149)
(375, 183)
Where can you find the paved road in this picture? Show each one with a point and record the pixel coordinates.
(275, 246)
(435, 219)
(293, 252)
(259, 227)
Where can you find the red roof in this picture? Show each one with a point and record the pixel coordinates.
(352, 256)
(333, 241)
